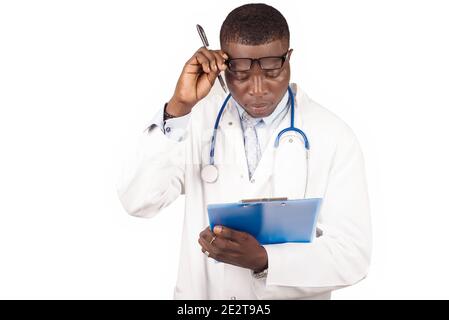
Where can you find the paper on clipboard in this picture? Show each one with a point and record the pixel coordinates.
(269, 220)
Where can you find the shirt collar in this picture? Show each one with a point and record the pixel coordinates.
(269, 119)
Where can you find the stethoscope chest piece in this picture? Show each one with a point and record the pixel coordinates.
(209, 173)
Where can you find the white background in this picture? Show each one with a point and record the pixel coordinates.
(80, 79)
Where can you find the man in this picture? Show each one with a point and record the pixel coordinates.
(254, 57)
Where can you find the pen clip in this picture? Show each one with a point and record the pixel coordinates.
(202, 35)
(264, 200)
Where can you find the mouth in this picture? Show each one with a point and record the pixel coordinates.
(258, 108)
(258, 105)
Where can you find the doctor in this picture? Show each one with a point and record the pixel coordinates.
(215, 148)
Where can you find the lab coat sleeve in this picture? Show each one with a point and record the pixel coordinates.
(341, 256)
(173, 128)
(153, 177)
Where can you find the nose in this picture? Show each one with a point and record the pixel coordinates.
(257, 83)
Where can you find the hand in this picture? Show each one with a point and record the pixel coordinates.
(234, 247)
(196, 80)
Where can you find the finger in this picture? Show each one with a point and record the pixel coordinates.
(225, 57)
(211, 77)
(202, 243)
(210, 55)
(206, 238)
(220, 60)
(230, 234)
(216, 58)
(207, 254)
(223, 54)
(217, 242)
(193, 61)
(203, 60)
(206, 234)
(224, 245)
(214, 252)
(205, 231)
(205, 246)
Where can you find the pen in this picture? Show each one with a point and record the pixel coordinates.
(206, 44)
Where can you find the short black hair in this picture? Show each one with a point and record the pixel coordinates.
(254, 24)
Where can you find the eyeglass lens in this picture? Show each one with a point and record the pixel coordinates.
(270, 63)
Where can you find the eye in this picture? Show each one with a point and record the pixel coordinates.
(241, 76)
(272, 73)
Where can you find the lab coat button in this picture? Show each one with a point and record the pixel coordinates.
(230, 123)
(290, 140)
(167, 130)
(253, 181)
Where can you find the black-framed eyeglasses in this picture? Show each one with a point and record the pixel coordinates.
(265, 63)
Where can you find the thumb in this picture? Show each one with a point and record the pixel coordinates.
(205, 83)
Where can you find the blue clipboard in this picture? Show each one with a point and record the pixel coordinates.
(269, 221)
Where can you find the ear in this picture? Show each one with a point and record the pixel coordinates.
(289, 53)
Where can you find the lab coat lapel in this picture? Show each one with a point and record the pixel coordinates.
(264, 170)
(230, 124)
(234, 149)
(284, 167)
(289, 160)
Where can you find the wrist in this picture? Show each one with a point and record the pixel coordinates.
(177, 109)
(262, 261)
(260, 275)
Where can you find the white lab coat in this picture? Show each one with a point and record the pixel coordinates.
(166, 169)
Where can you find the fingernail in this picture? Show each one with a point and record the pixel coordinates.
(217, 229)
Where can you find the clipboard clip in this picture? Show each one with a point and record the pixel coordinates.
(263, 200)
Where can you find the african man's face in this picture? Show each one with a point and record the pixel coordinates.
(258, 91)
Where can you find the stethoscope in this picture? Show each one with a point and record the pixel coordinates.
(209, 173)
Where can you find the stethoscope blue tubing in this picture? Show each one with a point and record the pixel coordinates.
(276, 143)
